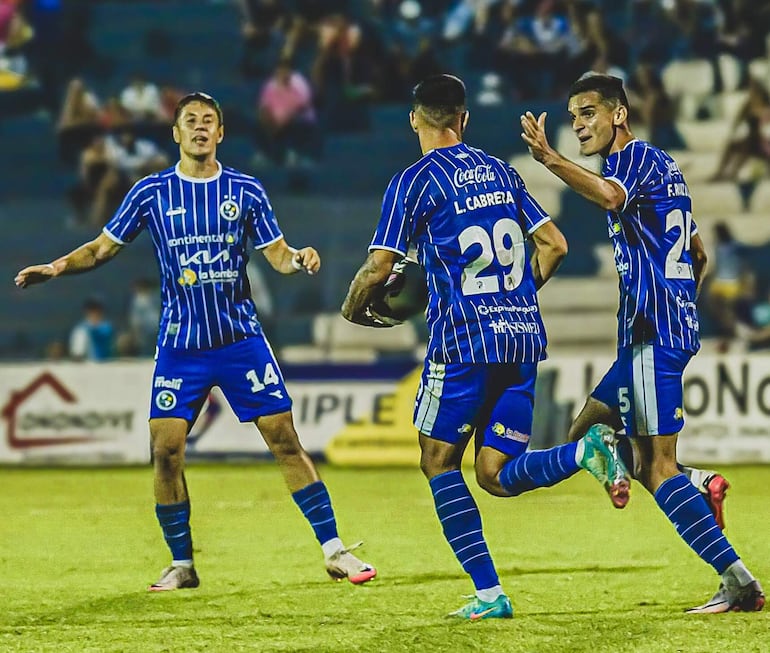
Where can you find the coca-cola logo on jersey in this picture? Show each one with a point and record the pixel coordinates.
(478, 175)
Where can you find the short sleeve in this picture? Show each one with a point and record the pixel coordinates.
(263, 225)
(131, 217)
(392, 232)
(531, 214)
(630, 169)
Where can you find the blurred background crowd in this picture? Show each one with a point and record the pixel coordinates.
(315, 95)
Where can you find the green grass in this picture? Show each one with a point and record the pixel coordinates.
(78, 548)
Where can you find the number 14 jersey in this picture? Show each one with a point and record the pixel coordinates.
(468, 214)
(651, 241)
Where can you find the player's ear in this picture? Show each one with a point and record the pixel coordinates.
(464, 121)
(413, 121)
(175, 134)
(220, 134)
(621, 115)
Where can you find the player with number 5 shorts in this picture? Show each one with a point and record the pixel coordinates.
(660, 261)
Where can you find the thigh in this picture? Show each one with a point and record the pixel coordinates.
(180, 384)
(511, 397)
(650, 396)
(448, 400)
(251, 380)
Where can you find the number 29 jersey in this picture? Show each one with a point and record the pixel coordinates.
(468, 213)
(651, 241)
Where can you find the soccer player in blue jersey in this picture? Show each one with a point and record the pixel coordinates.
(660, 261)
(200, 216)
(469, 215)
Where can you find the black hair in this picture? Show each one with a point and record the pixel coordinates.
(198, 96)
(608, 86)
(440, 99)
(440, 91)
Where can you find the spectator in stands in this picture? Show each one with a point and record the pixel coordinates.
(751, 134)
(342, 73)
(142, 100)
(79, 121)
(725, 284)
(752, 314)
(534, 51)
(92, 338)
(143, 317)
(108, 168)
(16, 36)
(286, 117)
(263, 26)
(656, 110)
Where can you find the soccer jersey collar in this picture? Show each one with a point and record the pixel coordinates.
(198, 180)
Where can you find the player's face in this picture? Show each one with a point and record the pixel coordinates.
(197, 130)
(594, 122)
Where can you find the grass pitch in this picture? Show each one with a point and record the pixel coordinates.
(79, 547)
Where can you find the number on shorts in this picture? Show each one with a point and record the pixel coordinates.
(268, 378)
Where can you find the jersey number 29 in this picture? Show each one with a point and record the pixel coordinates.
(506, 245)
(675, 267)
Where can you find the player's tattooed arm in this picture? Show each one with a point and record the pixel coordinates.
(699, 261)
(86, 257)
(364, 287)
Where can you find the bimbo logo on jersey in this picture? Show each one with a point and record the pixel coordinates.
(478, 175)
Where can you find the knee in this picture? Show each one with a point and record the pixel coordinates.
(168, 453)
(283, 440)
(489, 481)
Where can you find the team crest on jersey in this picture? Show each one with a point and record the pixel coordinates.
(188, 278)
(229, 210)
(678, 414)
(165, 400)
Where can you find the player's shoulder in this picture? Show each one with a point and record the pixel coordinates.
(405, 179)
(153, 181)
(249, 182)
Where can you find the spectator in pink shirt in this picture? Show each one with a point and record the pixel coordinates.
(288, 129)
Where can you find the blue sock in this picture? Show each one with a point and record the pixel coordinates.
(314, 502)
(174, 520)
(692, 518)
(534, 469)
(461, 522)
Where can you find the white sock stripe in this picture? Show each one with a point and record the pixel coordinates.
(478, 555)
(459, 537)
(462, 512)
(727, 549)
(472, 544)
(446, 503)
(318, 523)
(685, 502)
(448, 487)
(677, 491)
(703, 534)
(689, 528)
(716, 541)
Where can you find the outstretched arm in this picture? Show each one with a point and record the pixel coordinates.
(607, 194)
(372, 274)
(550, 250)
(287, 260)
(86, 257)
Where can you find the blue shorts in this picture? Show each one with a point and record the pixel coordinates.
(644, 385)
(246, 371)
(456, 399)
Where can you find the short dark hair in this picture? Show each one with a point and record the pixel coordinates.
(439, 99)
(608, 86)
(445, 92)
(198, 96)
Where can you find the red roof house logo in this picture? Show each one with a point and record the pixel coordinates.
(10, 412)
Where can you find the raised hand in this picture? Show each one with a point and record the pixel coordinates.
(534, 136)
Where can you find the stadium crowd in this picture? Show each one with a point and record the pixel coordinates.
(315, 67)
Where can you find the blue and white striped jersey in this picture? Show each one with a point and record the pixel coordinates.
(200, 229)
(651, 240)
(468, 214)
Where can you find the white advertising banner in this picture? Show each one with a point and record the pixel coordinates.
(97, 413)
